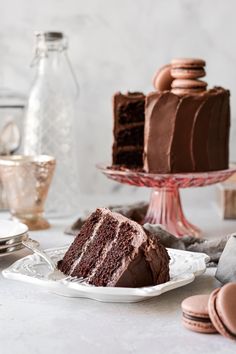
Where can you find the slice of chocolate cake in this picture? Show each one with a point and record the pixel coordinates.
(112, 250)
(128, 114)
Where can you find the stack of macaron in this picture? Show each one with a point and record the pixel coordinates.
(181, 77)
(212, 313)
(186, 74)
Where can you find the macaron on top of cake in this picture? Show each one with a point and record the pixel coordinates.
(181, 76)
(187, 73)
(187, 62)
(162, 79)
(185, 87)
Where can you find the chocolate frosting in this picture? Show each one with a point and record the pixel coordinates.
(187, 107)
(201, 130)
(188, 133)
(224, 130)
(150, 266)
(159, 130)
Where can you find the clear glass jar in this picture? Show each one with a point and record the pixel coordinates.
(12, 104)
(49, 124)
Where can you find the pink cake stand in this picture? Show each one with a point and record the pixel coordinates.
(165, 204)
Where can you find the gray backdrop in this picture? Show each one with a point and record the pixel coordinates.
(118, 45)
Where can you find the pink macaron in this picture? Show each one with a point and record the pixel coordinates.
(187, 68)
(182, 87)
(162, 79)
(195, 314)
(222, 310)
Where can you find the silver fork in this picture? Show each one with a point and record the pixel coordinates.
(56, 274)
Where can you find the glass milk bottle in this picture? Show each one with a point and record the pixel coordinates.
(49, 122)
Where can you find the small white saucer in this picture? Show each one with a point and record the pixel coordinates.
(11, 229)
(11, 235)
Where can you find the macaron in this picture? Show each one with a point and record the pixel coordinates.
(187, 68)
(187, 73)
(222, 310)
(181, 62)
(162, 79)
(195, 314)
(184, 87)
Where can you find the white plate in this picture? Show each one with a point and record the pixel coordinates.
(10, 229)
(184, 266)
(11, 249)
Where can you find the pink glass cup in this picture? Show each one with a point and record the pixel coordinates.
(26, 181)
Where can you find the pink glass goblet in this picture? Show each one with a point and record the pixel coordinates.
(26, 181)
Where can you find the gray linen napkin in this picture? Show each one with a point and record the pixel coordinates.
(136, 212)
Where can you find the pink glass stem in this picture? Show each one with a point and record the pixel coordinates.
(165, 208)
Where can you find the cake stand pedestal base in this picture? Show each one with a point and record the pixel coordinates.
(165, 205)
(165, 208)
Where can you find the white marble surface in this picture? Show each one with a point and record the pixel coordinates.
(34, 321)
(117, 45)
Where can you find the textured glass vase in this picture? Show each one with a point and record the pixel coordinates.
(49, 124)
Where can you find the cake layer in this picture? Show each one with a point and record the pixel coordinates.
(131, 158)
(129, 108)
(90, 256)
(128, 114)
(131, 136)
(76, 248)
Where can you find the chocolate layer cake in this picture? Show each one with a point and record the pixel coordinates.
(128, 111)
(184, 132)
(112, 250)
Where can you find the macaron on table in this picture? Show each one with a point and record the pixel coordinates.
(214, 313)
(196, 315)
(222, 309)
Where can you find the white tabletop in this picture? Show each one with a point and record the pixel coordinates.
(35, 321)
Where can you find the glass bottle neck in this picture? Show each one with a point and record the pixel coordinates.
(53, 65)
(51, 61)
(50, 52)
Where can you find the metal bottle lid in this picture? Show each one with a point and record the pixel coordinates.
(50, 36)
